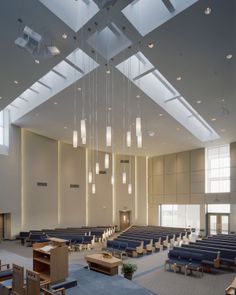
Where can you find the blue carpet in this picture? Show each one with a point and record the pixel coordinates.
(91, 282)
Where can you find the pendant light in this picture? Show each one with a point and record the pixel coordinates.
(124, 177)
(138, 126)
(130, 189)
(83, 131)
(93, 188)
(75, 139)
(139, 141)
(128, 138)
(108, 136)
(97, 168)
(90, 177)
(106, 161)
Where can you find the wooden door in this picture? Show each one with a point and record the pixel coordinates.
(218, 223)
(124, 219)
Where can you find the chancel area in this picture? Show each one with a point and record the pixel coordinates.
(117, 147)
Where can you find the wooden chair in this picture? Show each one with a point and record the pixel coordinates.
(53, 292)
(18, 287)
(231, 289)
(33, 283)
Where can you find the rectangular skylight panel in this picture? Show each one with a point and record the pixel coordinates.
(135, 66)
(73, 13)
(147, 15)
(28, 95)
(81, 60)
(65, 70)
(52, 80)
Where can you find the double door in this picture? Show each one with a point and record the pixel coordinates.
(218, 223)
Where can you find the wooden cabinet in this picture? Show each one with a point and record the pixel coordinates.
(50, 259)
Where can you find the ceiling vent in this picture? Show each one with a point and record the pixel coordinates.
(35, 45)
(105, 3)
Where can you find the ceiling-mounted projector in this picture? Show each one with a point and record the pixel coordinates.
(35, 45)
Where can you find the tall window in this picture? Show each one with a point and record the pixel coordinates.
(4, 131)
(180, 216)
(218, 169)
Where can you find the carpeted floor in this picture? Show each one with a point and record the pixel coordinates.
(149, 276)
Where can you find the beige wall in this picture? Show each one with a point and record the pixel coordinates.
(10, 181)
(40, 164)
(72, 201)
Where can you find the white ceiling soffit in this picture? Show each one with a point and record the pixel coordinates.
(73, 13)
(141, 72)
(76, 65)
(147, 15)
(109, 41)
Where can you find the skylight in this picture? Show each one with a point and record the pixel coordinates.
(73, 13)
(109, 42)
(147, 15)
(141, 72)
(76, 65)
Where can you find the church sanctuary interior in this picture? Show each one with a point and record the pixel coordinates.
(117, 147)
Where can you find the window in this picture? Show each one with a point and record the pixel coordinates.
(4, 132)
(218, 169)
(180, 216)
(218, 208)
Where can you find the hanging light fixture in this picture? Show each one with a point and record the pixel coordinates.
(124, 177)
(139, 141)
(112, 179)
(83, 131)
(108, 136)
(106, 161)
(97, 168)
(128, 138)
(130, 189)
(75, 139)
(138, 126)
(93, 188)
(90, 177)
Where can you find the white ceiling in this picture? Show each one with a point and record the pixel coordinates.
(191, 45)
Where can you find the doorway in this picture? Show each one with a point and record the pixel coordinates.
(218, 223)
(124, 219)
(1, 226)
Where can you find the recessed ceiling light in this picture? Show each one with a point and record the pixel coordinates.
(198, 101)
(108, 71)
(64, 36)
(207, 11)
(222, 99)
(79, 88)
(0, 97)
(138, 96)
(55, 102)
(16, 82)
(150, 45)
(213, 119)
(160, 115)
(229, 56)
(179, 78)
(65, 127)
(36, 61)
(109, 109)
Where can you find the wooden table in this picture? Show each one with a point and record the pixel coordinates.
(98, 263)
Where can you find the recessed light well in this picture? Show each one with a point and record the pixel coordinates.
(109, 109)
(0, 97)
(151, 133)
(179, 78)
(79, 88)
(65, 127)
(207, 11)
(150, 45)
(229, 56)
(138, 96)
(36, 61)
(160, 115)
(108, 71)
(16, 82)
(213, 119)
(55, 102)
(198, 101)
(64, 36)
